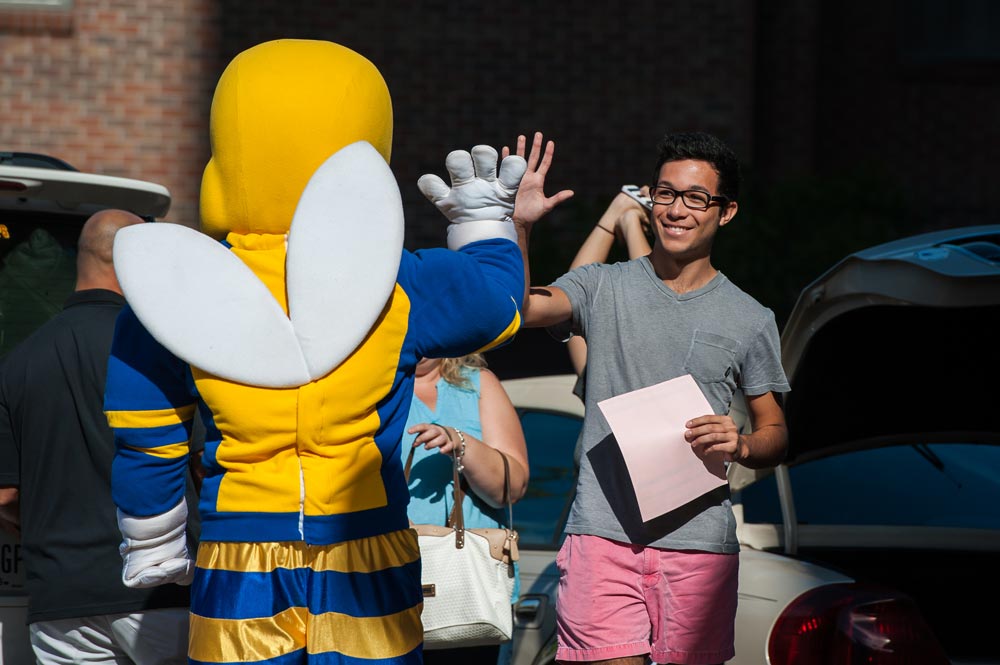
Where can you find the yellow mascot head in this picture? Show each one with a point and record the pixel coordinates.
(280, 110)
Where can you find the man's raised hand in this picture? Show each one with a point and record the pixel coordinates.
(531, 203)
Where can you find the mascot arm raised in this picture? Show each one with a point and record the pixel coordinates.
(479, 202)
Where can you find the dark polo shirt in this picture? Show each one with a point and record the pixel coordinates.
(56, 446)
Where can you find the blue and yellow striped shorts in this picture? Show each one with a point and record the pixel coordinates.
(289, 603)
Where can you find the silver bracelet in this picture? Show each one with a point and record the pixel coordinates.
(460, 451)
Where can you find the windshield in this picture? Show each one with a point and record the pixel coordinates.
(540, 515)
(37, 270)
(938, 484)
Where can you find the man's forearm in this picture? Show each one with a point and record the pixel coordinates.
(10, 510)
(545, 312)
(764, 448)
(523, 237)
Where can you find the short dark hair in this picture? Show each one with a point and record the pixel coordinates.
(707, 148)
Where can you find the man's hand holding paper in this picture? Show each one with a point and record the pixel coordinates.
(713, 434)
(673, 452)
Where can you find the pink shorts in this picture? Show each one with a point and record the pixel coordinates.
(618, 600)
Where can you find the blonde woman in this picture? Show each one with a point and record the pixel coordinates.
(459, 407)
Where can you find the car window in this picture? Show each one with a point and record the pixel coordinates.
(760, 501)
(942, 485)
(540, 515)
(37, 271)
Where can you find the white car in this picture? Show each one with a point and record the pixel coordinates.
(43, 204)
(876, 541)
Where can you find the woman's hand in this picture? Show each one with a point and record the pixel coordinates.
(482, 466)
(622, 203)
(633, 228)
(432, 435)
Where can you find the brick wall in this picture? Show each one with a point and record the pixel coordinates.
(911, 90)
(927, 116)
(605, 82)
(123, 88)
(114, 87)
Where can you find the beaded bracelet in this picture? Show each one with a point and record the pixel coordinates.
(460, 451)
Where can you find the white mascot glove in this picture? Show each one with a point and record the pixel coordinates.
(478, 204)
(154, 549)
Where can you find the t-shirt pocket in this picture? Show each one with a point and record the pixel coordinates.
(712, 357)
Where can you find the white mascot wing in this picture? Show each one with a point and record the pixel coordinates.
(209, 309)
(344, 249)
(206, 306)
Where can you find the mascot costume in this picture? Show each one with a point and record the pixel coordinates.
(291, 326)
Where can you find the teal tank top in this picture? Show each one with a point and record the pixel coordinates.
(431, 479)
(431, 484)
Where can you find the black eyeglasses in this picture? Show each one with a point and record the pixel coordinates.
(695, 199)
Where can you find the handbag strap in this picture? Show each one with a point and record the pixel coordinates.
(457, 519)
(408, 465)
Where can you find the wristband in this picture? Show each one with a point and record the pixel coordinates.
(605, 230)
(460, 451)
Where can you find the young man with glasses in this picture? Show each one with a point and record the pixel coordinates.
(666, 587)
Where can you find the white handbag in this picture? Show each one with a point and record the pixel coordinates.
(467, 576)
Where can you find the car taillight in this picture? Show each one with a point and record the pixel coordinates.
(853, 624)
(13, 186)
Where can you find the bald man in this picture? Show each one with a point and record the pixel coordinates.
(55, 481)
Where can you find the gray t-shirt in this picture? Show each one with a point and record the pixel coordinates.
(639, 333)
